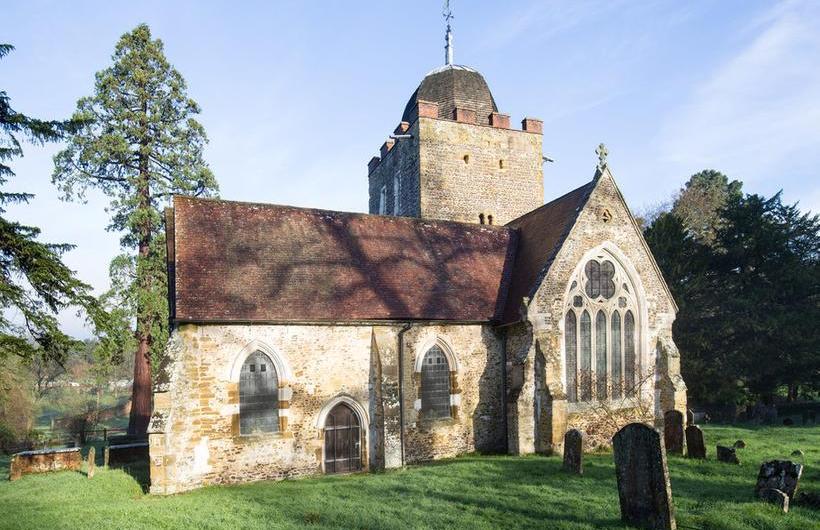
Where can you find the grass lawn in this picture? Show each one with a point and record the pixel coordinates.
(467, 492)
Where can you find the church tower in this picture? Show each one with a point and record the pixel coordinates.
(455, 157)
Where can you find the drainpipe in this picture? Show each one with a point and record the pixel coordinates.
(504, 420)
(402, 331)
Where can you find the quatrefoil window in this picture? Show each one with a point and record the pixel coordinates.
(599, 279)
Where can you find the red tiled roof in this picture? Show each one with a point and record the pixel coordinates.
(541, 233)
(233, 261)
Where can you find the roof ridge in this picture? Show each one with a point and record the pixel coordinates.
(324, 211)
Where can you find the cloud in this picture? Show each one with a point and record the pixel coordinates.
(759, 109)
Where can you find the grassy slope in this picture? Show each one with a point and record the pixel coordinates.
(468, 492)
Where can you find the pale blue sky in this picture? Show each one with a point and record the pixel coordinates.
(297, 96)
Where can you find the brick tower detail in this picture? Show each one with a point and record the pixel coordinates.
(454, 156)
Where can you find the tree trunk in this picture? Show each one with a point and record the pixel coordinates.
(141, 391)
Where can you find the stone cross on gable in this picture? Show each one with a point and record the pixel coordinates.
(602, 152)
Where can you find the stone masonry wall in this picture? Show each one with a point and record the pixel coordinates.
(195, 439)
(605, 220)
(470, 169)
(401, 160)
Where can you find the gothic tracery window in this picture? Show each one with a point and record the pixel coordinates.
(600, 333)
(435, 384)
(258, 395)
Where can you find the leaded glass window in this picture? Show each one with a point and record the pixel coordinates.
(601, 363)
(616, 338)
(571, 357)
(586, 357)
(258, 395)
(435, 384)
(629, 353)
(601, 376)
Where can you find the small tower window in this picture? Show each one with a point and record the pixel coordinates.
(500, 164)
(466, 159)
(396, 193)
(481, 218)
(490, 219)
(383, 200)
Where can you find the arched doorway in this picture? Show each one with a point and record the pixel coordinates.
(343, 440)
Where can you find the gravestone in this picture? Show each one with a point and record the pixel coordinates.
(727, 455)
(783, 475)
(106, 455)
(695, 446)
(673, 432)
(574, 451)
(690, 417)
(775, 496)
(798, 453)
(740, 444)
(643, 478)
(91, 462)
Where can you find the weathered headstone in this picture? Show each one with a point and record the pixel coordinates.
(783, 475)
(695, 446)
(727, 455)
(775, 496)
(690, 417)
(643, 478)
(673, 432)
(91, 462)
(574, 451)
(740, 444)
(106, 455)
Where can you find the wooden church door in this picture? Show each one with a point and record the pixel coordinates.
(343, 435)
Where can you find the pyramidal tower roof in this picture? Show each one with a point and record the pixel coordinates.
(453, 86)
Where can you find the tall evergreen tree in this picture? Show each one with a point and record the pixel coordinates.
(140, 145)
(34, 282)
(699, 203)
(748, 292)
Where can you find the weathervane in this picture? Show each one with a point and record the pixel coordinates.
(447, 13)
(602, 152)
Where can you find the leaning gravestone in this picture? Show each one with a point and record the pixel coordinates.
(643, 478)
(673, 432)
(783, 475)
(775, 496)
(91, 462)
(574, 451)
(695, 446)
(727, 455)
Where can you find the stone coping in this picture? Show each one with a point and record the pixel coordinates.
(129, 446)
(47, 451)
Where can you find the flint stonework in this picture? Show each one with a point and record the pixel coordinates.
(695, 446)
(574, 451)
(727, 455)
(643, 479)
(673, 432)
(783, 475)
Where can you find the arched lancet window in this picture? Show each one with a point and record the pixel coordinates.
(600, 355)
(629, 354)
(601, 363)
(435, 384)
(258, 395)
(616, 355)
(586, 357)
(572, 351)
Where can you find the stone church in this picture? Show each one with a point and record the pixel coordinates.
(461, 314)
